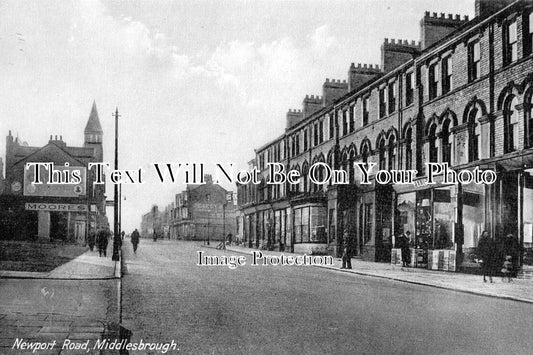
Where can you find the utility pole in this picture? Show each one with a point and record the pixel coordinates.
(116, 236)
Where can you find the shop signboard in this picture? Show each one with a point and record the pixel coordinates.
(452, 261)
(396, 256)
(56, 207)
(56, 181)
(434, 264)
(446, 260)
(441, 260)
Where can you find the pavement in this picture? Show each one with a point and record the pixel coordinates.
(88, 266)
(77, 302)
(517, 290)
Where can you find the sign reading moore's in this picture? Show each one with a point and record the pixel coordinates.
(59, 207)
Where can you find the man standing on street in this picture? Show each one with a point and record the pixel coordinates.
(135, 239)
(102, 240)
(346, 252)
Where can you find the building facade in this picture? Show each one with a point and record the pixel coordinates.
(63, 211)
(461, 96)
(152, 223)
(204, 212)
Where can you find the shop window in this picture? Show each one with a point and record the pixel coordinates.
(406, 213)
(510, 115)
(331, 224)
(510, 43)
(433, 79)
(366, 113)
(391, 94)
(408, 149)
(447, 74)
(474, 61)
(409, 88)
(432, 139)
(392, 154)
(443, 213)
(317, 224)
(382, 103)
(368, 220)
(446, 140)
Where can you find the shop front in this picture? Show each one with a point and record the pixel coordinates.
(430, 214)
(309, 229)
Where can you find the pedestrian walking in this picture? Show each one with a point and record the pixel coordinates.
(510, 247)
(91, 239)
(346, 252)
(486, 250)
(135, 239)
(102, 240)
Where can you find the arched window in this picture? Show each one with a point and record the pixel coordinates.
(351, 171)
(382, 157)
(510, 122)
(528, 117)
(344, 160)
(432, 139)
(365, 152)
(446, 143)
(392, 155)
(474, 131)
(305, 177)
(408, 149)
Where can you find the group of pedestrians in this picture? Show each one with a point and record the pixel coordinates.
(498, 255)
(100, 239)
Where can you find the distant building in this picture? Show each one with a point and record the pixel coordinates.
(48, 211)
(204, 212)
(151, 223)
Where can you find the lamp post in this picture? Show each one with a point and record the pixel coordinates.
(116, 232)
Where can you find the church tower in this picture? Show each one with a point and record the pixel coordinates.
(93, 134)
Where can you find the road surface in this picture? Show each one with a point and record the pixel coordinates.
(305, 310)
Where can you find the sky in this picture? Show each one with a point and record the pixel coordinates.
(198, 81)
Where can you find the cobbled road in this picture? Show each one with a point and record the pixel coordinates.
(305, 310)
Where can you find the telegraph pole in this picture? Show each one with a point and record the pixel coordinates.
(116, 234)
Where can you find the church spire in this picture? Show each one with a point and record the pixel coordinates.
(93, 124)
